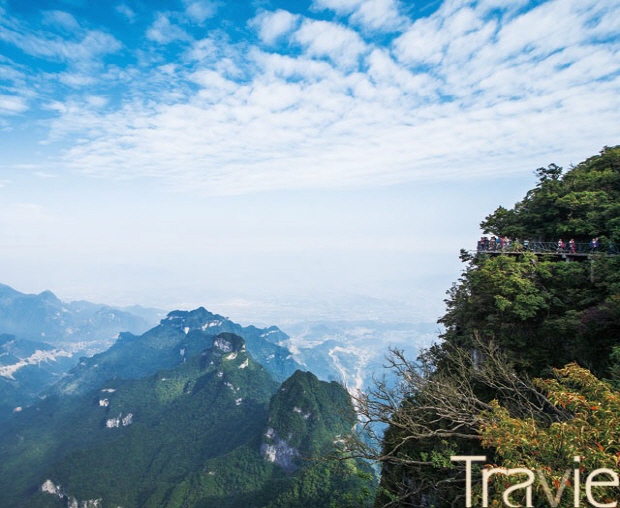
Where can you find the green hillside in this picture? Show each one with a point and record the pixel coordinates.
(179, 336)
(514, 315)
(195, 435)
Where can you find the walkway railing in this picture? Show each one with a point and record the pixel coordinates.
(515, 247)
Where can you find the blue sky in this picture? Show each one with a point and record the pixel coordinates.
(284, 159)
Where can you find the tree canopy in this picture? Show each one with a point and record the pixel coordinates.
(582, 202)
(518, 374)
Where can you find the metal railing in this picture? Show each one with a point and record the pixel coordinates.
(515, 247)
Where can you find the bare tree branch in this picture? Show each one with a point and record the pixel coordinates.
(420, 405)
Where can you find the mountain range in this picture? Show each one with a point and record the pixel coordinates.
(196, 411)
(44, 318)
(46, 341)
(41, 339)
(179, 336)
(214, 430)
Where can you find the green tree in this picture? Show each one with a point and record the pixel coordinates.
(589, 429)
(509, 318)
(581, 202)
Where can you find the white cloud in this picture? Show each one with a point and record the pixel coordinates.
(77, 80)
(127, 12)
(163, 31)
(280, 135)
(321, 39)
(83, 45)
(9, 72)
(96, 101)
(201, 10)
(378, 14)
(459, 95)
(550, 27)
(484, 6)
(453, 31)
(608, 24)
(12, 105)
(386, 72)
(292, 67)
(370, 14)
(423, 43)
(273, 25)
(342, 7)
(61, 19)
(480, 59)
(213, 82)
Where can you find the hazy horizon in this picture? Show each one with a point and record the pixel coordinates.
(283, 158)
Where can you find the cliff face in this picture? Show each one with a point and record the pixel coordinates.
(305, 416)
(532, 310)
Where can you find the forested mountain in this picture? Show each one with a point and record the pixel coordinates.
(180, 335)
(542, 311)
(529, 337)
(41, 338)
(213, 430)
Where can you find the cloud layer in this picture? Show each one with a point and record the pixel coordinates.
(351, 93)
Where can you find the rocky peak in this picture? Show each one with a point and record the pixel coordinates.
(197, 319)
(49, 297)
(228, 343)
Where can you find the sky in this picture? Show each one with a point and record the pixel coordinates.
(279, 160)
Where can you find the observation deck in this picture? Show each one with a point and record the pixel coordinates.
(578, 252)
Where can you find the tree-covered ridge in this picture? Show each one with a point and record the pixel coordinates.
(581, 203)
(320, 411)
(510, 318)
(180, 335)
(185, 437)
(543, 312)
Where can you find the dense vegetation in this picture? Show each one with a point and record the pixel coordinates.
(540, 311)
(182, 334)
(528, 340)
(195, 435)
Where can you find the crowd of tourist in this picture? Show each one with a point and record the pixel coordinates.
(505, 244)
(499, 243)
